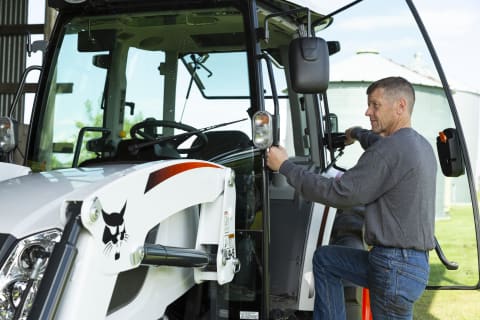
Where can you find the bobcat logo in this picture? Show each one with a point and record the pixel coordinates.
(114, 233)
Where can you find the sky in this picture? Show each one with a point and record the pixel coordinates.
(454, 31)
(453, 27)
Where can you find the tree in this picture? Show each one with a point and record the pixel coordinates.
(95, 119)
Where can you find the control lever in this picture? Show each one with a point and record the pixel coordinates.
(337, 140)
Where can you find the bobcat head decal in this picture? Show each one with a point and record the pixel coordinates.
(114, 234)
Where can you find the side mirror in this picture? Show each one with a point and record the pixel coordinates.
(450, 153)
(309, 65)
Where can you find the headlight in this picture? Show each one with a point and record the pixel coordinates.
(22, 272)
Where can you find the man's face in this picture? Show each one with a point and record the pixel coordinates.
(382, 111)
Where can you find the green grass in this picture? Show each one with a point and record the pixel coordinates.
(457, 239)
(448, 305)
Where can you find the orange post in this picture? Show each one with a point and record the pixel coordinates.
(366, 312)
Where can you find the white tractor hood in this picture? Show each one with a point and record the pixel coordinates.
(32, 202)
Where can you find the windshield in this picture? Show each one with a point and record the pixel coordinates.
(112, 72)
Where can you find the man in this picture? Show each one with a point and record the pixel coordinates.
(395, 180)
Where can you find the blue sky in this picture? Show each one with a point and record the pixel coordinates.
(453, 27)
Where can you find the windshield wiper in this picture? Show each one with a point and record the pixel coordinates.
(197, 64)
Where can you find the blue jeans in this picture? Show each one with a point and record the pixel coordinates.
(396, 278)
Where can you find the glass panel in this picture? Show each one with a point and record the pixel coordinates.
(74, 101)
(388, 43)
(112, 72)
(194, 108)
(147, 100)
(215, 72)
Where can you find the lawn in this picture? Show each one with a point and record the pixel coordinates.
(457, 239)
(448, 305)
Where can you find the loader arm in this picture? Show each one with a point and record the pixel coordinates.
(116, 219)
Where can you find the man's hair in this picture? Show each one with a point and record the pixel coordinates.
(395, 87)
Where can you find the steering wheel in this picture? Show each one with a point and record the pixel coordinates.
(146, 130)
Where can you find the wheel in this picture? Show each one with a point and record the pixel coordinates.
(146, 130)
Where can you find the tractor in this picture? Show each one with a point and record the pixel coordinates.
(141, 190)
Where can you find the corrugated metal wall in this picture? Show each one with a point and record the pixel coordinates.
(12, 54)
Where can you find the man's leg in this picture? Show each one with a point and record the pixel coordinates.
(397, 278)
(331, 264)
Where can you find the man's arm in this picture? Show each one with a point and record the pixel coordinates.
(362, 184)
(364, 136)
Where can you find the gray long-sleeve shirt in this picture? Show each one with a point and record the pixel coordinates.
(395, 180)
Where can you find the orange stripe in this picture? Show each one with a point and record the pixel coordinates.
(161, 175)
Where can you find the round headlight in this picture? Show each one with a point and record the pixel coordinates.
(30, 255)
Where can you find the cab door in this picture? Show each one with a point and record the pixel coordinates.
(380, 39)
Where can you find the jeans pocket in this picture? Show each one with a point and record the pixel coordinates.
(409, 287)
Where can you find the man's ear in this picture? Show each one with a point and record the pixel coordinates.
(402, 106)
